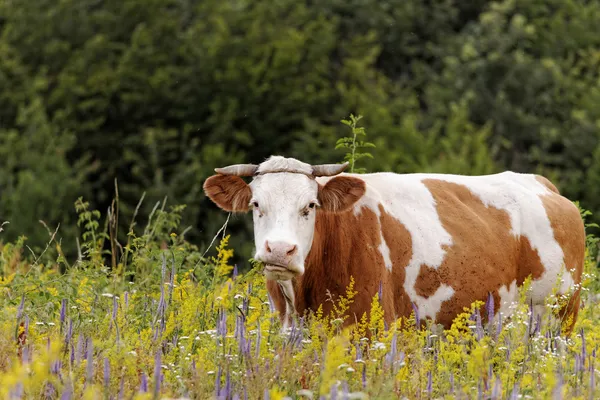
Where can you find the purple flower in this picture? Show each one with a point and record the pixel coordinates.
(266, 395)
(106, 372)
(126, 298)
(25, 355)
(218, 383)
(497, 390)
(67, 394)
(515, 392)
(583, 351)
(333, 392)
(478, 325)
(380, 292)
(121, 388)
(235, 272)
(557, 391)
(90, 361)
(417, 318)
(222, 323)
(451, 382)
(72, 358)
(345, 391)
(258, 338)
(17, 391)
(69, 333)
(490, 308)
(390, 357)
(364, 376)
(157, 366)
(227, 393)
(63, 311)
(79, 351)
(144, 383)
(429, 383)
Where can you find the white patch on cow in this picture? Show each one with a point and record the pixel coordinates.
(508, 299)
(385, 253)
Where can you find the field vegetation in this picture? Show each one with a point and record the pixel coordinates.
(156, 317)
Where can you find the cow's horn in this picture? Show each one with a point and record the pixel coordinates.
(238, 170)
(328, 169)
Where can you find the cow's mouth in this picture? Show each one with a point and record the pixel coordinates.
(278, 272)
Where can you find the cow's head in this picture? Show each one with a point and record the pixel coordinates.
(284, 197)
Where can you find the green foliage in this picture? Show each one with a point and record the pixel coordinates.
(156, 94)
(354, 146)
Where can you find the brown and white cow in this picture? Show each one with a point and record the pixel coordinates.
(438, 241)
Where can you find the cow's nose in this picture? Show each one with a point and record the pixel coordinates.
(280, 253)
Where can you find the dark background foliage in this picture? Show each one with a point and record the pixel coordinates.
(157, 93)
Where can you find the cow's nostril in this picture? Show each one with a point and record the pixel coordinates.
(267, 247)
(292, 251)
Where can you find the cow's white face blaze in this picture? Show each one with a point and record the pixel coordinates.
(284, 197)
(284, 207)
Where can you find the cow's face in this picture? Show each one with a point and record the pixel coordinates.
(284, 198)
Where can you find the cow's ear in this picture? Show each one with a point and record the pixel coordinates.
(229, 192)
(340, 193)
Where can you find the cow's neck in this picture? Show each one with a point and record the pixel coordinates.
(327, 266)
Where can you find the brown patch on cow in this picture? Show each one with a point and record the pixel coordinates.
(483, 255)
(530, 262)
(228, 192)
(399, 241)
(428, 281)
(546, 182)
(340, 193)
(569, 232)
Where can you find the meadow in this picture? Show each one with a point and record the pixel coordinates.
(168, 320)
(157, 317)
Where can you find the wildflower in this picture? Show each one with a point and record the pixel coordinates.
(144, 383)
(364, 376)
(157, 374)
(106, 372)
(67, 394)
(429, 383)
(90, 361)
(497, 390)
(490, 308)
(416, 311)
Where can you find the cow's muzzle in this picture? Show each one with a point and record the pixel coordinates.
(278, 272)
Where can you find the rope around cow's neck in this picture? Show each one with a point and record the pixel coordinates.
(287, 289)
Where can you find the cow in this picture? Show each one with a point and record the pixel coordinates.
(437, 242)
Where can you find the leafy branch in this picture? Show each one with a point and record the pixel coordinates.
(353, 145)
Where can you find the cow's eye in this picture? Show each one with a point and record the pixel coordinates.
(312, 205)
(255, 204)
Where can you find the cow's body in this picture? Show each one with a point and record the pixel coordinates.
(439, 242)
(442, 242)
